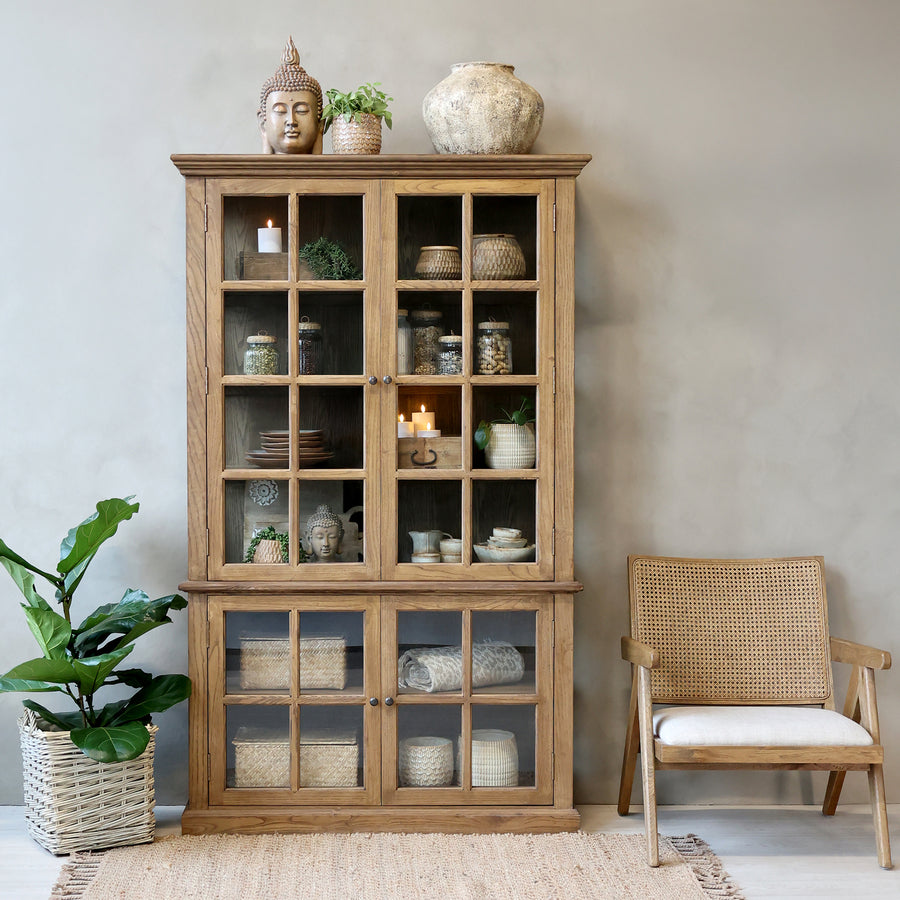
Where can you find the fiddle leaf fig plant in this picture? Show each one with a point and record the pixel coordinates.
(524, 415)
(79, 660)
(367, 98)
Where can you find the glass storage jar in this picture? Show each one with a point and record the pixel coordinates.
(261, 355)
(404, 344)
(427, 331)
(310, 348)
(493, 349)
(451, 354)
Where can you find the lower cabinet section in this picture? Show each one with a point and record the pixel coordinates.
(422, 711)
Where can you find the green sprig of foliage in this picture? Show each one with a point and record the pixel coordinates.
(524, 415)
(80, 660)
(329, 261)
(270, 534)
(367, 98)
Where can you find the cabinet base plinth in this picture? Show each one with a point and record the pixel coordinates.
(461, 820)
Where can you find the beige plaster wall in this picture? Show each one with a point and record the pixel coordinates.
(737, 274)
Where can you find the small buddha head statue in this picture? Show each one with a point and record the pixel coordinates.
(290, 108)
(324, 534)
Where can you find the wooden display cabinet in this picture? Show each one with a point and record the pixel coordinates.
(315, 683)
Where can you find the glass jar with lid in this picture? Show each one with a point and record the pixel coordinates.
(493, 349)
(404, 344)
(427, 331)
(310, 347)
(261, 355)
(451, 362)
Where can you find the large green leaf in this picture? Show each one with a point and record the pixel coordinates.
(163, 692)
(12, 556)
(92, 671)
(65, 720)
(25, 582)
(136, 678)
(25, 686)
(82, 542)
(56, 671)
(50, 630)
(134, 615)
(117, 744)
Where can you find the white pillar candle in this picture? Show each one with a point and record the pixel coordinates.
(428, 431)
(269, 239)
(424, 419)
(405, 429)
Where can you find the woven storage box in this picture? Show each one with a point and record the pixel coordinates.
(76, 803)
(266, 663)
(328, 759)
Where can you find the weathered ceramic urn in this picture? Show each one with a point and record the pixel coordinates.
(482, 107)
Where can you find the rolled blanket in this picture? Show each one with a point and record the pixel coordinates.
(440, 668)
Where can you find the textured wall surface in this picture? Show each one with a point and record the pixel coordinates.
(737, 309)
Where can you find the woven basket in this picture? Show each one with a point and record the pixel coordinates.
(356, 137)
(495, 758)
(496, 257)
(266, 663)
(426, 762)
(328, 759)
(76, 803)
(510, 447)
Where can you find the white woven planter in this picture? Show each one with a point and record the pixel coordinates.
(76, 803)
(510, 447)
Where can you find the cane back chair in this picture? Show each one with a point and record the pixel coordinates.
(738, 651)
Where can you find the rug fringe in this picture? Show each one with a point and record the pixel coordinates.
(708, 868)
(76, 875)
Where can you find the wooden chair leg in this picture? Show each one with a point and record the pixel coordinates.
(832, 793)
(632, 745)
(648, 771)
(879, 813)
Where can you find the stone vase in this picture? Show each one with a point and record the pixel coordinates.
(510, 446)
(481, 107)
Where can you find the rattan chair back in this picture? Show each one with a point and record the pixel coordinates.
(733, 631)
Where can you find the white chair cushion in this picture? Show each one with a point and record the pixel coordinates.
(761, 726)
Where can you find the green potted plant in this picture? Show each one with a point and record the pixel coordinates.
(508, 441)
(92, 743)
(356, 117)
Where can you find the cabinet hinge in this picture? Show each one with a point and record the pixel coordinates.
(206, 218)
(554, 218)
(552, 541)
(554, 381)
(207, 542)
(209, 767)
(206, 381)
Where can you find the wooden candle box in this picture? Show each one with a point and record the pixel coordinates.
(269, 267)
(429, 453)
(266, 663)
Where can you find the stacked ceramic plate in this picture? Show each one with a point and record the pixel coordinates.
(274, 452)
(505, 545)
(311, 447)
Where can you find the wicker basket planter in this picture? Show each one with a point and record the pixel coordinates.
(76, 803)
(356, 137)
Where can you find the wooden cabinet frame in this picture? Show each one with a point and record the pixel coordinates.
(383, 584)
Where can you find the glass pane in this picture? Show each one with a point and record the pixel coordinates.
(429, 432)
(335, 533)
(331, 746)
(426, 752)
(331, 238)
(504, 233)
(426, 222)
(256, 521)
(429, 522)
(503, 742)
(251, 321)
(331, 427)
(503, 647)
(331, 652)
(258, 653)
(430, 651)
(511, 445)
(505, 333)
(503, 519)
(336, 346)
(253, 251)
(258, 753)
(256, 422)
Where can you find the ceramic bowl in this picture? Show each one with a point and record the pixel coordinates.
(487, 553)
(500, 542)
(451, 557)
(425, 558)
(451, 546)
(507, 534)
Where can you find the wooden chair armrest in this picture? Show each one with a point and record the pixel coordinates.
(859, 654)
(639, 654)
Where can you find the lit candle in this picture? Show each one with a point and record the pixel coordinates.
(405, 429)
(269, 239)
(428, 431)
(421, 418)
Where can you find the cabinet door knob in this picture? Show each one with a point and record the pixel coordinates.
(387, 379)
(373, 701)
(388, 701)
(373, 379)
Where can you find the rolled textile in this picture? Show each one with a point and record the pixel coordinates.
(440, 668)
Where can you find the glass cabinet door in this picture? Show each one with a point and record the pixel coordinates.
(290, 717)
(468, 319)
(293, 421)
(471, 718)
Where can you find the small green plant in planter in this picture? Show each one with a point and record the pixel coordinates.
(79, 660)
(329, 261)
(508, 441)
(357, 118)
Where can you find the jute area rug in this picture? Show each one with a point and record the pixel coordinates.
(575, 866)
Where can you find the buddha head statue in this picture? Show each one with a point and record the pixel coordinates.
(290, 108)
(324, 534)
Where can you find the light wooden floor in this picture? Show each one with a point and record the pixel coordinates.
(771, 852)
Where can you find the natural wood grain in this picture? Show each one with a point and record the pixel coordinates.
(859, 654)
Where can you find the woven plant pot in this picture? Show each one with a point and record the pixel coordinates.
(510, 447)
(426, 762)
(356, 137)
(75, 803)
(495, 758)
(496, 257)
